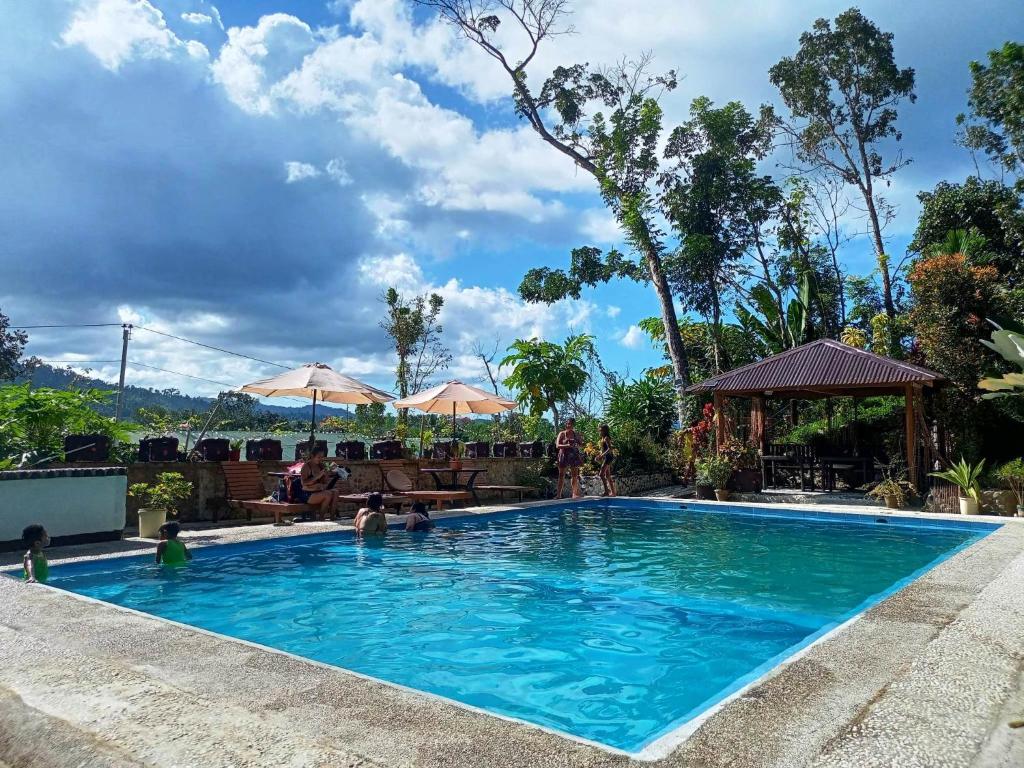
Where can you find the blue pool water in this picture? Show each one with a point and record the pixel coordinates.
(615, 622)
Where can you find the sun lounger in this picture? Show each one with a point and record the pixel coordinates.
(501, 490)
(393, 478)
(245, 490)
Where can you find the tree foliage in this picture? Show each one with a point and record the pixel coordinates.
(414, 327)
(648, 404)
(35, 420)
(717, 203)
(12, 344)
(995, 125)
(545, 375)
(842, 88)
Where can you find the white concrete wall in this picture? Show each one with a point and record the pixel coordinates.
(65, 506)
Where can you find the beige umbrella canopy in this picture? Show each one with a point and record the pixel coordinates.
(317, 380)
(455, 397)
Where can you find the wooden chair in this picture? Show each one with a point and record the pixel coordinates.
(394, 478)
(244, 483)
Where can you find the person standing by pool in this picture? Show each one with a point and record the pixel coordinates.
(317, 486)
(35, 564)
(170, 551)
(371, 519)
(607, 460)
(569, 458)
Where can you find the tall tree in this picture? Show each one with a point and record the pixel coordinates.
(842, 89)
(987, 207)
(716, 202)
(12, 344)
(995, 125)
(545, 375)
(618, 149)
(414, 326)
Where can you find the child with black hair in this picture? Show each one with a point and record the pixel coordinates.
(418, 519)
(34, 564)
(170, 551)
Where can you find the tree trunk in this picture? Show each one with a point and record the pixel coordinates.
(883, 261)
(554, 416)
(674, 339)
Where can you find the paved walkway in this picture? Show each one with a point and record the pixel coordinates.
(929, 677)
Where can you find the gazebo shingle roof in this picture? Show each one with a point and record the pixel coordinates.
(820, 369)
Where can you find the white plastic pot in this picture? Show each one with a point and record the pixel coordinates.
(150, 521)
(968, 506)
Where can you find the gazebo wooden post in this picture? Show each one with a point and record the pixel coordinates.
(911, 434)
(757, 422)
(720, 425)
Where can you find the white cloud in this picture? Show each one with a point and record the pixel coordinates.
(337, 171)
(599, 226)
(612, 311)
(197, 18)
(296, 171)
(633, 338)
(116, 31)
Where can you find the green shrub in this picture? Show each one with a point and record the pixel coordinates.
(167, 493)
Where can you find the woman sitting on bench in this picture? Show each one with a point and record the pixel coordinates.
(318, 485)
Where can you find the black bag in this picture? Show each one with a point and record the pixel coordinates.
(158, 449)
(213, 449)
(302, 449)
(352, 450)
(86, 448)
(266, 449)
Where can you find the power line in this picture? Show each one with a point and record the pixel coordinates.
(179, 373)
(210, 346)
(200, 378)
(68, 325)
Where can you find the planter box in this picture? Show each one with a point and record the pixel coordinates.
(74, 505)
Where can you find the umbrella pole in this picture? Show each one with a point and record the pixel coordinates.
(312, 425)
(454, 436)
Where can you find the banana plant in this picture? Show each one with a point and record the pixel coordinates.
(778, 332)
(1010, 345)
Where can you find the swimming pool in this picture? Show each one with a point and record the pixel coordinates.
(611, 622)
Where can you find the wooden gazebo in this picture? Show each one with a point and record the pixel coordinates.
(820, 369)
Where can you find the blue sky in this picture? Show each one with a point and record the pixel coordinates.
(254, 173)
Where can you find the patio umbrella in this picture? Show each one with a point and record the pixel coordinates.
(456, 397)
(317, 380)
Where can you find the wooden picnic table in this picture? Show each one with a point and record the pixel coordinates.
(438, 473)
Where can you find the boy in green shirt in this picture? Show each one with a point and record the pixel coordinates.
(37, 569)
(170, 551)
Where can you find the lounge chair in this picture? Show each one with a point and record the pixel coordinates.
(244, 483)
(394, 478)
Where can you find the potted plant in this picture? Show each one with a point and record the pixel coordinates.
(965, 477)
(705, 488)
(890, 490)
(158, 500)
(235, 450)
(456, 458)
(716, 472)
(1012, 473)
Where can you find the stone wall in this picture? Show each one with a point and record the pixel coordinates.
(209, 502)
(633, 485)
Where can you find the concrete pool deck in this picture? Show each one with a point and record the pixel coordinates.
(929, 677)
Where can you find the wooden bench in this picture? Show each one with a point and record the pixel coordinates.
(501, 490)
(394, 478)
(244, 483)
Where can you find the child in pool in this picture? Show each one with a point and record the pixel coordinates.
(37, 569)
(170, 551)
(419, 519)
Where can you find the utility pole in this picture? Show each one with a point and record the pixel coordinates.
(126, 333)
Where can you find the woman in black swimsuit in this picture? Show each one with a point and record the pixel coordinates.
(607, 459)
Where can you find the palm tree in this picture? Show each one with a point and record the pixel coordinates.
(545, 374)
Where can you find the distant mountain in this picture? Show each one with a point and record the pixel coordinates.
(171, 399)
